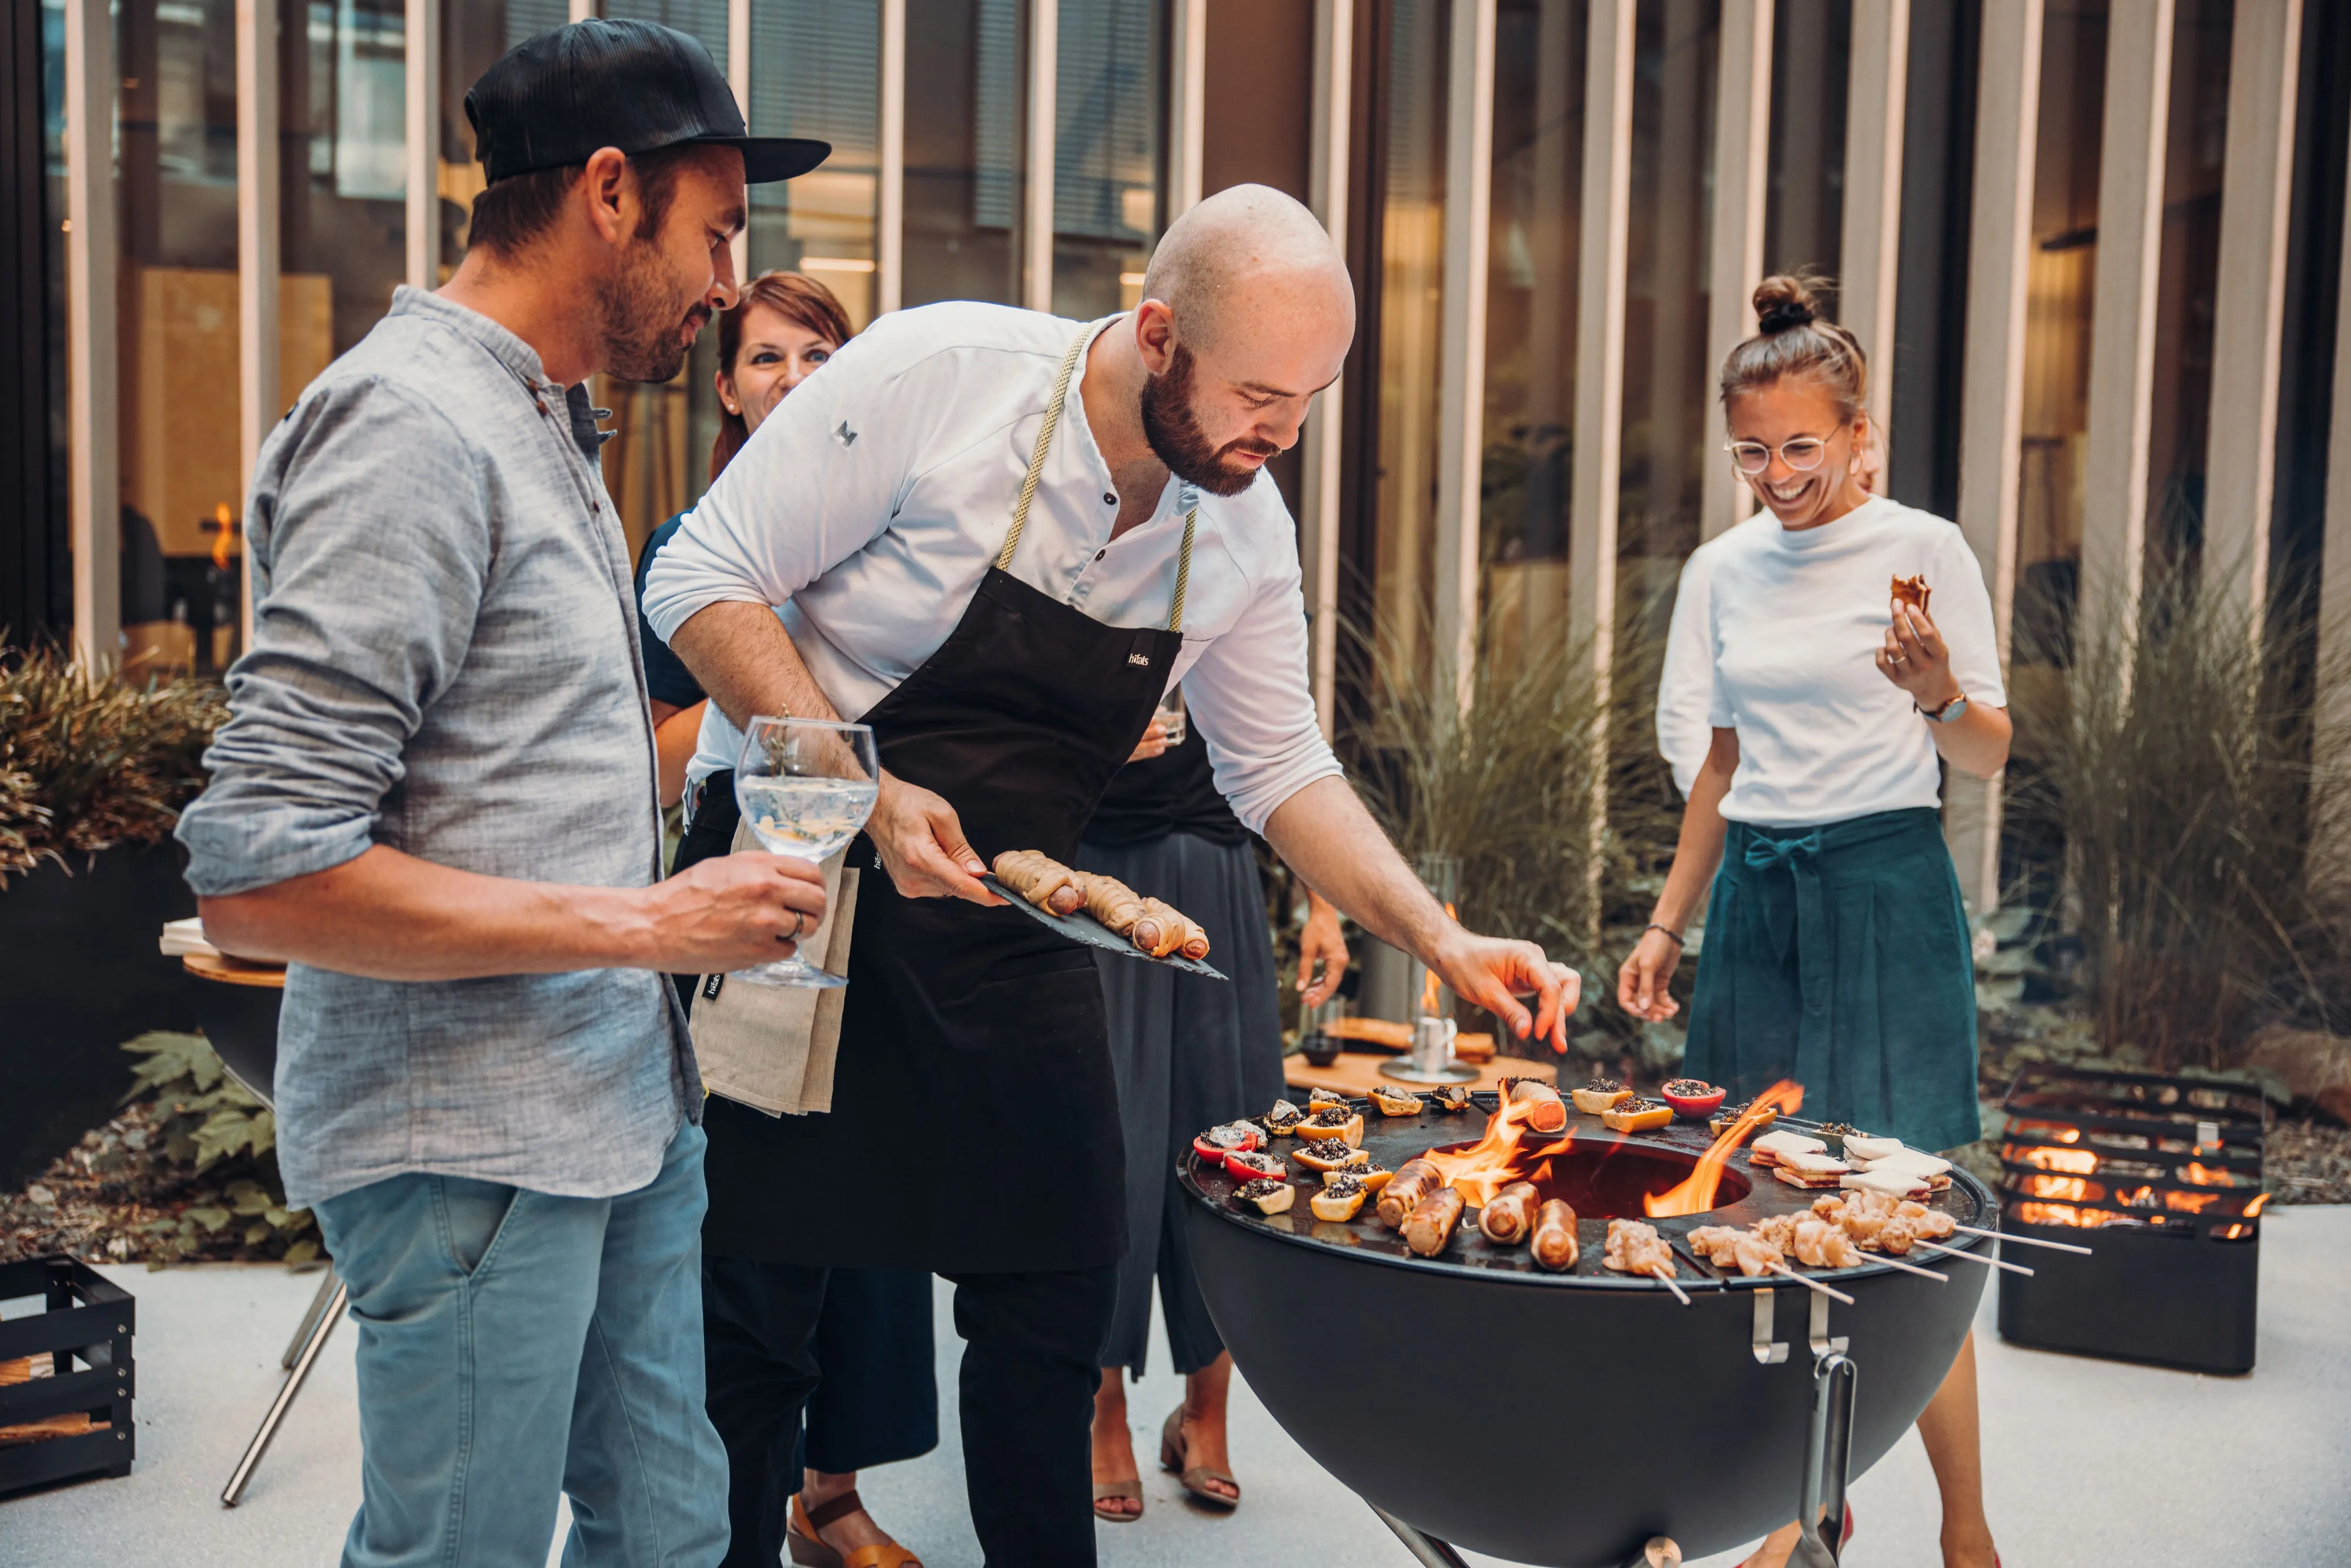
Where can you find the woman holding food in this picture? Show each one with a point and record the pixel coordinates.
(878, 1402)
(1188, 1053)
(1837, 948)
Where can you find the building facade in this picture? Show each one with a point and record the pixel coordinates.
(2094, 248)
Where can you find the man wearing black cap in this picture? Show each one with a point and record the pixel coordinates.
(434, 799)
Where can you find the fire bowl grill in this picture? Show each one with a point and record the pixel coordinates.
(1565, 1419)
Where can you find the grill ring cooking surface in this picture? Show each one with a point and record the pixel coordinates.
(1563, 1419)
(1393, 1140)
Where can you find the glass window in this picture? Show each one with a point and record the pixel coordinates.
(967, 68)
(2060, 289)
(2185, 293)
(1531, 317)
(1410, 275)
(816, 71)
(342, 221)
(1110, 110)
(181, 488)
(1803, 203)
(1668, 380)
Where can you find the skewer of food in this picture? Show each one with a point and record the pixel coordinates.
(1546, 1112)
(1395, 1102)
(1599, 1095)
(1512, 1214)
(2027, 1241)
(1553, 1237)
(1415, 1180)
(1431, 1223)
(1339, 1201)
(1635, 1247)
(1942, 1251)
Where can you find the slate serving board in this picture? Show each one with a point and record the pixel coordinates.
(1084, 927)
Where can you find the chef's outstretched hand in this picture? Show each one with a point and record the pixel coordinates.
(922, 845)
(1493, 972)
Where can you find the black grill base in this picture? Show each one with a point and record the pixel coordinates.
(2185, 1301)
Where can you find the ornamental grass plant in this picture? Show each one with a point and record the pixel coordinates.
(2174, 763)
(90, 760)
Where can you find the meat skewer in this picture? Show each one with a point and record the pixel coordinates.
(1555, 1235)
(1972, 1258)
(1507, 1218)
(1634, 1248)
(2027, 1241)
(1807, 1280)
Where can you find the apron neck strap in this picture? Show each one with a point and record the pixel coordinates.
(1036, 469)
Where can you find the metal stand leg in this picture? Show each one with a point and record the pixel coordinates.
(308, 1358)
(327, 1285)
(1828, 1463)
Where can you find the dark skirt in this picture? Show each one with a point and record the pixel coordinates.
(1189, 1053)
(1840, 956)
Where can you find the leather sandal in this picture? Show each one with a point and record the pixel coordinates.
(1106, 1490)
(807, 1548)
(1196, 1477)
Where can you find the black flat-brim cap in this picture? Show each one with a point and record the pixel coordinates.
(557, 99)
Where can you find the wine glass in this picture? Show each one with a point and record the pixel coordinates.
(806, 786)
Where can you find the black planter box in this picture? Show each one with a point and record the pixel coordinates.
(82, 974)
(86, 1332)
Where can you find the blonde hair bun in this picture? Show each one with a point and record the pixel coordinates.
(1783, 303)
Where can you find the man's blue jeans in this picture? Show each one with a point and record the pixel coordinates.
(513, 1346)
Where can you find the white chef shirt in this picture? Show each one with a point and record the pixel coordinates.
(868, 507)
(1686, 684)
(1796, 620)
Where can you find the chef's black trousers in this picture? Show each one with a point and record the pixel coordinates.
(1031, 1363)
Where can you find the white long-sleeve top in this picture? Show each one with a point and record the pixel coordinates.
(868, 507)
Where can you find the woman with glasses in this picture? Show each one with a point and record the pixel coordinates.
(1837, 949)
(878, 1401)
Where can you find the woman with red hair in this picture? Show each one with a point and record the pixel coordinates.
(878, 1401)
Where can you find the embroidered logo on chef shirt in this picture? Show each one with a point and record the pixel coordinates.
(1137, 655)
(846, 436)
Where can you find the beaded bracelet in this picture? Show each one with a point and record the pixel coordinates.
(1671, 935)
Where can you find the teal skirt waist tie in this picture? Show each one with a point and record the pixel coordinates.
(1839, 957)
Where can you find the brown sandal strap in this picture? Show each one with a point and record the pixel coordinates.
(842, 1507)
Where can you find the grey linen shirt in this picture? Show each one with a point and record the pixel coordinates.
(444, 661)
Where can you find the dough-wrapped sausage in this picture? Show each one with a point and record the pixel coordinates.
(1415, 1180)
(1430, 1223)
(1507, 1218)
(1555, 1235)
(1546, 1112)
(1040, 879)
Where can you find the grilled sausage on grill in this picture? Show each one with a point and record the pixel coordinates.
(1507, 1218)
(1415, 1180)
(1430, 1223)
(1555, 1235)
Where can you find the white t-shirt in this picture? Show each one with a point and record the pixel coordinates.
(1686, 684)
(1797, 618)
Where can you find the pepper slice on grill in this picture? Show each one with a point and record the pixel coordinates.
(1339, 1201)
(1231, 1137)
(1253, 1165)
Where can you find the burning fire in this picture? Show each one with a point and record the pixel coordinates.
(2071, 1188)
(2056, 1130)
(2233, 1232)
(1501, 1157)
(1695, 1194)
(225, 530)
(2066, 1213)
(2191, 1202)
(2260, 1202)
(2205, 1175)
(1428, 987)
(2080, 1162)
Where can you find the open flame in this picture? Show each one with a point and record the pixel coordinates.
(2057, 1131)
(2191, 1202)
(223, 530)
(1428, 987)
(2207, 1176)
(1694, 1193)
(1501, 1157)
(2068, 1188)
(2079, 1162)
(2260, 1202)
(2066, 1213)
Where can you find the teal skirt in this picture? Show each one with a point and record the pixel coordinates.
(1839, 957)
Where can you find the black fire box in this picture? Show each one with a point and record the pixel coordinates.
(2161, 1179)
(66, 1374)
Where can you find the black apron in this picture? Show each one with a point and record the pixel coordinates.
(975, 1125)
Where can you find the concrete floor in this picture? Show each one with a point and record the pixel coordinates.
(2086, 1461)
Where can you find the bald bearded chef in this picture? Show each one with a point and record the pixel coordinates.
(1009, 650)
